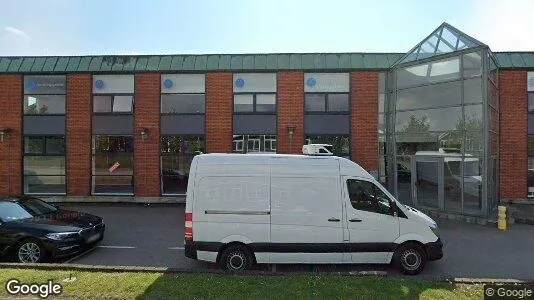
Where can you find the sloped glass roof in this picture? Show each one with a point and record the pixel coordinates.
(444, 39)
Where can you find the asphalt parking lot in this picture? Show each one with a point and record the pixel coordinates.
(152, 235)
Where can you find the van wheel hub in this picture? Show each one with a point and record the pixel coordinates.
(411, 259)
(236, 261)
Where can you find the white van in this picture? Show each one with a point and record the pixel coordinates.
(243, 209)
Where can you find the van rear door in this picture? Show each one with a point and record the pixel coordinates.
(370, 221)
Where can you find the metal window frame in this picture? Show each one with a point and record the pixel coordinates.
(111, 112)
(181, 113)
(94, 153)
(326, 101)
(43, 146)
(347, 136)
(22, 136)
(254, 104)
(262, 138)
(53, 114)
(169, 154)
(391, 123)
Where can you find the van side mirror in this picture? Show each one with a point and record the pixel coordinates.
(393, 209)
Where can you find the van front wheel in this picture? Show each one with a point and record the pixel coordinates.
(236, 258)
(410, 259)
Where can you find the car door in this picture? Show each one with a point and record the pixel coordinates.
(371, 222)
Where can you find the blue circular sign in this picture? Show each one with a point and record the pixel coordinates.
(167, 83)
(99, 84)
(31, 84)
(311, 82)
(531, 81)
(239, 82)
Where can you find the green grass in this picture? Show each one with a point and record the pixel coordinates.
(97, 285)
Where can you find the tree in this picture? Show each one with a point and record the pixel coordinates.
(416, 124)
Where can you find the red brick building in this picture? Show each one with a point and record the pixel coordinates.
(445, 126)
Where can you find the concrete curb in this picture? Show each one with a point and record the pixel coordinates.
(176, 271)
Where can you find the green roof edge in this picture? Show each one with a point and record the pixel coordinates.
(313, 61)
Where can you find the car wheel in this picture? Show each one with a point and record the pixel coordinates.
(236, 258)
(410, 259)
(30, 251)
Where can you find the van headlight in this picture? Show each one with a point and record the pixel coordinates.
(435, 230)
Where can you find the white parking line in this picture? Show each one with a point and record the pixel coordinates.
(79, 255)
(176, 248)
(117, 247)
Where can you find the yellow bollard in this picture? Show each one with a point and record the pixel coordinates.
(501, 224)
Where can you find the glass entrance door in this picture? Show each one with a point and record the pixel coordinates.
(427, 182)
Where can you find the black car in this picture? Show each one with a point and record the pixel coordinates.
(32, 230)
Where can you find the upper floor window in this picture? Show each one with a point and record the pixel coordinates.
(113, 94)
(255, 93)
(327, 103)
(255, 103)
(326, 92)
(44, 95)
(182, 94)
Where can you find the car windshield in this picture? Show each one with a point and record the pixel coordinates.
(11, 211)
(37, 207)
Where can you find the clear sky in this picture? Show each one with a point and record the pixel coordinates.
(71, 27)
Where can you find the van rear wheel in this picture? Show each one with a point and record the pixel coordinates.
(410, 259)
(236, 258)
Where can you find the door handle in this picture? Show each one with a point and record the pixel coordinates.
(355, 220)
(333, 220)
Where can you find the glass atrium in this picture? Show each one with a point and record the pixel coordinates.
(440, 139)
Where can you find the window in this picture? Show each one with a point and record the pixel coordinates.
(44, 165)
(530, 102)
(113, 103)
(112, 164)
(177, 152)
(44, 95)
(182, 103)
(530, 146)
(255, 103)
(366, 196)
(327, 103)
(253, 143)
(44, 104)
(340, 143)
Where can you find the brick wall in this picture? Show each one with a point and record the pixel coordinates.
(513, 134)
(364, 119)
(219, 103)
(290, 111)
(146, 152)
(78, 135)
(10, 148)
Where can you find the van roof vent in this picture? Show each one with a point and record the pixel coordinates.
(317, 149)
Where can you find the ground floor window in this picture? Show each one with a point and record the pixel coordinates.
(340, 143)
(112, 165)
(177, 152)
(254, 143)
(44, 165)
(530, 166)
